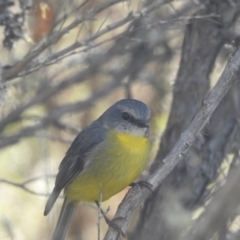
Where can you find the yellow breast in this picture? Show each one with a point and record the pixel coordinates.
(133, 144)
(117, 163)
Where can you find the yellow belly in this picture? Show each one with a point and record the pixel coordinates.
(113, 166)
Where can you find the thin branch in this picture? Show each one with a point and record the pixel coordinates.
(55, 139)
(85, 42)
(88, 42)
(66, 52)
(187, 138)
(57, 124)
(24, 187)
(182, 18)
(46, 93)
(64, 17)
(56, 57)
(131, 16)
(99, 214)
(58, 112)
(67, 127)
(13, 72)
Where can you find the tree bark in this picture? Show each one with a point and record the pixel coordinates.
(167, 211)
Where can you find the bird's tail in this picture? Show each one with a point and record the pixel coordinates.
(64, 220)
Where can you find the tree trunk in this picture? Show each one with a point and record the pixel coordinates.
(167, 211)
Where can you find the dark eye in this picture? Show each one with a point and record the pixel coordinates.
(125, 116)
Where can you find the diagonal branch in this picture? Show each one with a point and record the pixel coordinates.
(201, 119)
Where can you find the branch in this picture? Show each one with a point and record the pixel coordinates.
(23, 185)
(55, 139)
(20, 69)
(48, 92)
(86, 41)
(13, 72)
(187, 138)
(58, 112)
(54, 116)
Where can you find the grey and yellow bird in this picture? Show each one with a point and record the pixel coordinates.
(104, 158)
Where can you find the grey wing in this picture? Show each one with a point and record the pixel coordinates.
(74, 161)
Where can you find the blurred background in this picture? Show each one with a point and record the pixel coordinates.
(63, 63)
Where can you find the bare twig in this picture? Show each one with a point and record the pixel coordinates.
(67, 127)
(19, 69)
(45, 94)
(55, 139)
(99, 213)
(52, 39)
(64, 17)
(23, 185)
(88, 42)
(58, 112)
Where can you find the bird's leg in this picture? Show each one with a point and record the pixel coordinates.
(110, 222)
(143, 184)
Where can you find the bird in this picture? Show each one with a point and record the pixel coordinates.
(103, 159)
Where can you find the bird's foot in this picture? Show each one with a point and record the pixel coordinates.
(143, 184)
(113, 225)
(111, 222)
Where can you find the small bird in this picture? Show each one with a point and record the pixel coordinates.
(105, 157)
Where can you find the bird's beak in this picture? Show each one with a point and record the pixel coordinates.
(143, 124)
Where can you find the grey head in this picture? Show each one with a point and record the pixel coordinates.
(127, 116)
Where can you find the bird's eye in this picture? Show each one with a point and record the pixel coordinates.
(125, 116)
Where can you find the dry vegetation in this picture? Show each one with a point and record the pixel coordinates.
(62, 63)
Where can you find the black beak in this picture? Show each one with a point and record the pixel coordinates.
(142, 124)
